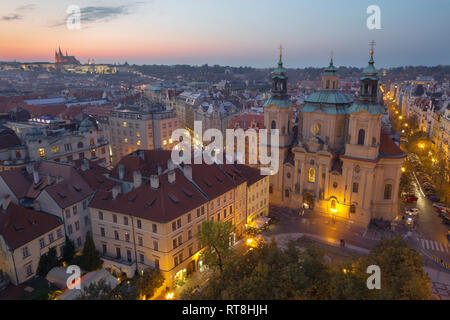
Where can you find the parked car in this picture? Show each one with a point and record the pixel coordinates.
(412, 212)
(411, 197)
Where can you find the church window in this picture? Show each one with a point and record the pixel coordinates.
(361, 136)
(286, 193)
(355, 187)
(311, 175)
(274, 125)
(335, 184)
(387, 191)
(316, 129)
(328, 84)
(288, 175)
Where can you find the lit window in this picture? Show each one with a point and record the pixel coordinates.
(164, 142)
(312, 175)
(124, 124)
(41, 152)
(55, 149)
(125, 140)
(138, 142)
(170, 140)
(138, 134)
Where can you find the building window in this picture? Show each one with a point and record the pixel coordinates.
(25, 252)
(273, 125)
(105, 248)
(51, 238)
(179, 223)
(77, 225)
(154, 228)
(114, 218)
(55, 149)
(139, 224)
(67, 213)
(140, 241)
(286, 193)
(141, 258)
(352, 208)
(42, 243)
(311, 175)
(84, 205)
(59, 233)
(29, 270)
(118, 255)
(138, 142)
(116, 234)
(41, 152)
(125, 221)
(387, 191)
(80, 145)
(355, 187)
(189, 217)
(102, 231)
(75, 210)
(100, 215)
(69, 229)
(127, 237)
(174, 243)
(129, 255)
(155, 245)
(361, 136)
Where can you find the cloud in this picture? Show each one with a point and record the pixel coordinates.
(17, 12)
(11, 17)
(26, 7)
(92, 14)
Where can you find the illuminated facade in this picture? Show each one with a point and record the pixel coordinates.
(339, 163)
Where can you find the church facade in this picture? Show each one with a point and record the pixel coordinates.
(335, 157)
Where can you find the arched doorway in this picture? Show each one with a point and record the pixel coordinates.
(308, 200)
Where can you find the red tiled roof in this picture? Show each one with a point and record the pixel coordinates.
(246, 121)
(147, 166)
(19, 225)
(388, 148)
(253, 175)
(17, 180)
(164, 204)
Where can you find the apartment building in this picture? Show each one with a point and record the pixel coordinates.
(52, 140)
(54, 188)
(152, 219)
(25, 235)
(141, 127)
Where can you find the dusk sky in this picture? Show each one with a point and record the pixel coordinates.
(228, 32)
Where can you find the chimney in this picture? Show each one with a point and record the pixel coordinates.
(171, 176)
(29, 168)
(137, 179)
(187, 171)
(115, 191)
(121, 169)
(154, 181)
(158, 166)
(6, 202)
(85, 165)
(37, 206)
(35, 177)
(170, 165)
(49, 179)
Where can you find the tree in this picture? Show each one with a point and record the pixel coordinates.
(47, 262)
(215, 237)
(149, 282)
(68, 250)
(402, 274)
(96, 291)
(90, 258)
